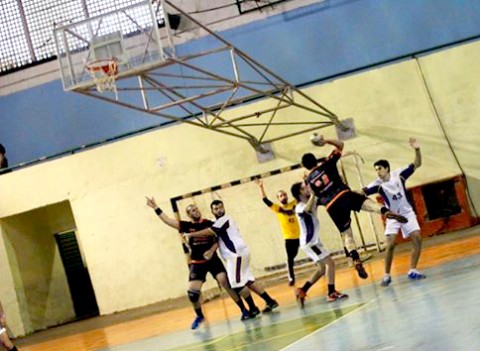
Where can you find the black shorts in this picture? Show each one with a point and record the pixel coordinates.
(340, 209)
(198, 271)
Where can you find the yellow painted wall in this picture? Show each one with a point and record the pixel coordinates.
(134, 260)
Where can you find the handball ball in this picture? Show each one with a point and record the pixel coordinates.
(317, 140)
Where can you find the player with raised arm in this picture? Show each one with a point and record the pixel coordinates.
(391, 187)
(337, 197)
(204, 259)
(236, 255)
(306, 211)
(285, 212)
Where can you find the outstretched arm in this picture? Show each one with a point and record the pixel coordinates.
(311, 201)
(203, 232)
(265, 199)
(165, 219)
(418, 156)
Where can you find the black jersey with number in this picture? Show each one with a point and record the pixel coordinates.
(198, 245)
(325, 181)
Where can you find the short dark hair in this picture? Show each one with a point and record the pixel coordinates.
(295, 190)
(2, 149)
(383, 163)
(309, 161)
(216, 202)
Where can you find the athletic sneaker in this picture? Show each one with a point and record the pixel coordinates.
(386, 281)
(416, 275)
(196, 322)
(360, 270)
(246, 316)
(254, 312)
(336, 295)
(300, 295)
(270, 307)
(396, 216)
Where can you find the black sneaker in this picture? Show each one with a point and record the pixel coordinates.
(270, 307)
(360, 270)
(246, 316)
(254, 312)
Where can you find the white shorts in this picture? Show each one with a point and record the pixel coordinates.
(238, 271)
(316, 252)
(392, 226)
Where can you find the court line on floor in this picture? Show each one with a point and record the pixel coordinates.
(328, 325)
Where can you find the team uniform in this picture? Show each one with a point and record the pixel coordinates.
(199, 266)
(234, 250)
(309, 233)
(394, 195)
(289, 228)
(332, 192)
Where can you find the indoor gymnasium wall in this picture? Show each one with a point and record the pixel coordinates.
(134, 260)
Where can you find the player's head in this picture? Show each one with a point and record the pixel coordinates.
(193, 212)
(282, 197)
(382, 167)
(217, 208)
(300, 191)
(2, 150)
(309, 161)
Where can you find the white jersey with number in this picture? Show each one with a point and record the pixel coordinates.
(393, 191)
(230, 241)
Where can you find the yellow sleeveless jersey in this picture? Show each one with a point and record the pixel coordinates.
(288, 220)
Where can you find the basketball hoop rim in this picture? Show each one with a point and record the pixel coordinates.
(107, 65)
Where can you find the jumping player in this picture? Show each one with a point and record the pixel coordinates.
(204, 259)
(237, 256)
(391, 186)
(285, 212)
(339, 200)
(306, 211)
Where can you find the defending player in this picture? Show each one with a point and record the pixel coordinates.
(236, 255)
(391, 186)
(204, 259)
(306, 211)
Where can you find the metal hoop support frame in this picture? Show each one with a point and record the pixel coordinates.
(104, 73)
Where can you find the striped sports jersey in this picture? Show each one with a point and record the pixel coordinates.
(309, 224)
(393, 191)
(230, 240)
(287, 219)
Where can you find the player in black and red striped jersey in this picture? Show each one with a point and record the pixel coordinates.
(203, 259)
(337, 197)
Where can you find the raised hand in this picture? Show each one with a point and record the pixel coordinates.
(414, 143)
(151, 202)
(259, 181)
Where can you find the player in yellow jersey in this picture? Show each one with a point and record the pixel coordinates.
(285, 212)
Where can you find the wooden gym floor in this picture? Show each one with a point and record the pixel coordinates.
(438, 313)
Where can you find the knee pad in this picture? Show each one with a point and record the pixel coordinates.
(193, 295)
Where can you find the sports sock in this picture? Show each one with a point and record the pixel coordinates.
(306, 286)
(199, 312)
(251, 303)
(266, 297)
(331, 288)
(241, 305)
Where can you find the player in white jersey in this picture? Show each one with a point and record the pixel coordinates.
(391, 186)
(237, 257)
(306, 212)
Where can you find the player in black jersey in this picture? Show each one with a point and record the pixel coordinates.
(337, 197)
(203, 259)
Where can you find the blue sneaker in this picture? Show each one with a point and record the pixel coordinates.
(386, 281)
(196, 322)
(246, 316)
(416, 275)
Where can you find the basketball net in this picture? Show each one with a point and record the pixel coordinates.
(104, 73)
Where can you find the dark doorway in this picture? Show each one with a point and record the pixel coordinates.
(81, 289)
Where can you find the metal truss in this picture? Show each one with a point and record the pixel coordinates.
(222, 89)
